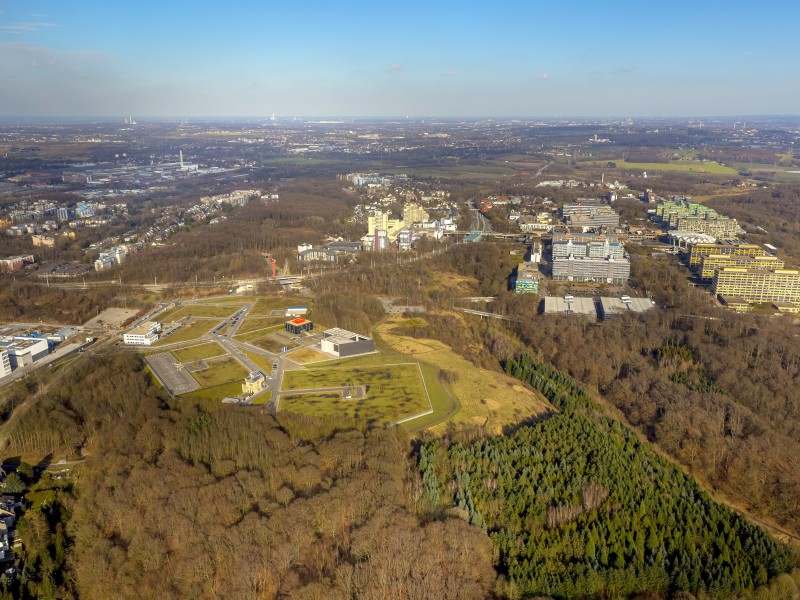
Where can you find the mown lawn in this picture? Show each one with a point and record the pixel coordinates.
(393, 392)
(221, 371)
(193, 353)
(191, 331)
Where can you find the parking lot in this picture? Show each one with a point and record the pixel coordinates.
(177, 381)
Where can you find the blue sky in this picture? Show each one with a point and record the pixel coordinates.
(247, 58)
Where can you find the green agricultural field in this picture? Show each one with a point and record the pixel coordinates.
(221, 371)
(218, 392)
(191, 331)
(684, 166)
(201, 351)
(393, 392)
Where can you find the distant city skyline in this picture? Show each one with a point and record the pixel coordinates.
(446, 59)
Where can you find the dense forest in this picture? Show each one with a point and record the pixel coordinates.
(578, 507)
(189, 501)
(23, 301)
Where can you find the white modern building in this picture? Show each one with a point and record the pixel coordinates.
(5, 363)
(341, 343)
(24, 351)
(144, 335)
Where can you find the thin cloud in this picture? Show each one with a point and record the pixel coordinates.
(396, 68)
(449, 74)
(542, 77)
(20, 28)
(20, 54)
(624, 70)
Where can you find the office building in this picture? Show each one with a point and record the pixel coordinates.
(592, 249)
(711, 262)
(379, 220)
(698, 250)
(298, 325)
(341, 343)
(15, 263)
(414, 213)
(24, 350)
(754, 286)
(598, 270)
(5, 363)
(684, 215)
(144, 335)
(106, 262)
(527, 281)
(578, 237)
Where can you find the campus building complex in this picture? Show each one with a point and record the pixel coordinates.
(713, 262)
(589, 214)
(685, 215)
(754, 286)
(698, 250)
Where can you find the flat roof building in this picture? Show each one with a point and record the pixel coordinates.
(144, 335)
(5, 363)
(598, 270)
(608, 307)
(569, 305)
(527, 281)
(24, 350)
(711, 262)
(697, 250)
(778, 285)
(298, 325)
(341, 343)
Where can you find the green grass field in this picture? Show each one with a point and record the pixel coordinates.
(393, 392)
(200, 310)
(263, 399)
(193, 353)
(266, 304)
(258, 333)
(221, 371)
(271, 345)
(684, 166)
(262, 361)
(253, 324)
(192, 331)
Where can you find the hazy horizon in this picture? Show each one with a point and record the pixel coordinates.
(456, 61)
